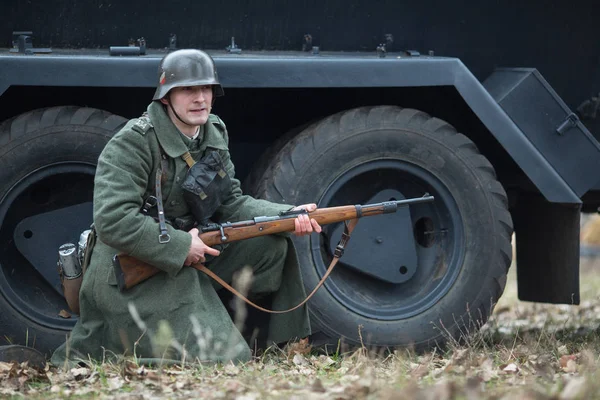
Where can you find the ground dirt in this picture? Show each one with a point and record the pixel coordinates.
(525, 351)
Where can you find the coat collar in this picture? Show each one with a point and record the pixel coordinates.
(171, 139)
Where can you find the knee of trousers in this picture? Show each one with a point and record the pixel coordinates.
(274, 252)
(274, 249)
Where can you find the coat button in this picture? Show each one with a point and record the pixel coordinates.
(177, 179)
(174, 203)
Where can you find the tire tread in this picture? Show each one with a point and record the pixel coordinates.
(291, 157)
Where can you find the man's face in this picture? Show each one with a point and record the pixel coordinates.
(191, 103)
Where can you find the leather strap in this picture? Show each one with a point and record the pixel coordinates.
(339, 251)
(164, 236)
(189, 160)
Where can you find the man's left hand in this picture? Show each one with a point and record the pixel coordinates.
(304, 224)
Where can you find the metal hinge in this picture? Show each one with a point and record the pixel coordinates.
(568, 123)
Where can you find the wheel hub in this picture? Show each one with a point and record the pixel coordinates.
(425, 239)
(38, 237)
(382, 246)
(40, 212)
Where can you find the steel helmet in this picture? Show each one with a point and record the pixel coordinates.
(188, 67)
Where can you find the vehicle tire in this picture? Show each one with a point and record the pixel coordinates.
(462, 240)
(264, 161)
(47, 164)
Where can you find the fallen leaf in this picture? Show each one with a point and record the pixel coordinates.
(5, 367)
(80, 373)
(564, 360)
(511, 368)
(299, 359)
(231, 369)
(323, 361)
(571, 367)
(300, 347)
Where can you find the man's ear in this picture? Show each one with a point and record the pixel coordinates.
(164, 101)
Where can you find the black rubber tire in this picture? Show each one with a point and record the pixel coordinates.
(253, 179)
(38, 141)
(308, 166)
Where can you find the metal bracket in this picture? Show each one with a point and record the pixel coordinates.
(307, 45)
(232, 48)
(150, 202)
(173, 41)
(22, 43)
(383, 48)
(164, 238)
(568, 123)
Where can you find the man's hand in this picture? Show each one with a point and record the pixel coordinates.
(198, 249)
(305, 225)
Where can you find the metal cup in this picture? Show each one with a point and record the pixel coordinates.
(68, 261)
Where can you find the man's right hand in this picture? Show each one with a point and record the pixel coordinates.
(198, 249)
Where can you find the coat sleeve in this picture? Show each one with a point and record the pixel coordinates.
(125, 168)
(237, 206)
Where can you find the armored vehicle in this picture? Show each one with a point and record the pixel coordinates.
(491, 107)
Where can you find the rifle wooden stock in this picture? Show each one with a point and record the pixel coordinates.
(130, 271)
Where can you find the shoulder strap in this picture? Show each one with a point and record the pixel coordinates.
(189, 160)
(164, 236)
(218, 122)
(142, 124)
(161, 173)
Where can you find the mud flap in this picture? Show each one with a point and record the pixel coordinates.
(547, 238)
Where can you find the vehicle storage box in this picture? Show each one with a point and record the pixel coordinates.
(548, 123)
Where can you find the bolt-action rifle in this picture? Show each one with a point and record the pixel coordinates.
(131, 271)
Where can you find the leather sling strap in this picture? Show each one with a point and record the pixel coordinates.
(339, 251)
(164, 236)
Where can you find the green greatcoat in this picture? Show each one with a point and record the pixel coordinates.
(182, 296)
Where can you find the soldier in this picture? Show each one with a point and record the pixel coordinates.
(178, 313)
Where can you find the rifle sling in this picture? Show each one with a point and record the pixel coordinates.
(348, 228)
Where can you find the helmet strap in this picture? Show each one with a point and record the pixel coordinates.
(175, 112)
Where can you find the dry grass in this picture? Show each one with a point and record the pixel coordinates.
(526, 351)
